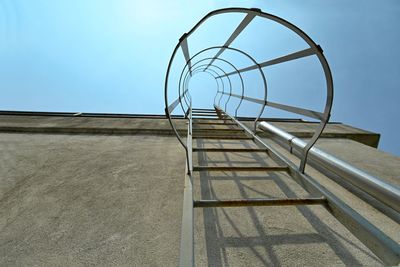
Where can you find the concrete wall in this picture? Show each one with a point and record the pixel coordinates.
(76, 200)
(80, 191)
(160, 125)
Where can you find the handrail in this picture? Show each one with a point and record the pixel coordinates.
(377, 188)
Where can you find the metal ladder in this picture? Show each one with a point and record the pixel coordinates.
(364, 230)
(378, 242)
(241, 202)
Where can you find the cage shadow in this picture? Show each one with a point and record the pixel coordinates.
(216, 244)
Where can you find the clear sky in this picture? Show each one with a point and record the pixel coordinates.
(111, 56)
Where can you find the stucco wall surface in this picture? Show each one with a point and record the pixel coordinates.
(69, 199)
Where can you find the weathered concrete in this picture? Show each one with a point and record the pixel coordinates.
(83, 200)
(332, 130)
(98, 125)
(273, 236)
(373, 161)
(96, 199)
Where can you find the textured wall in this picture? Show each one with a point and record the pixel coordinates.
(116, 199)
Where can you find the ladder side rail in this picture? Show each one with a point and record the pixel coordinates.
(187, 228)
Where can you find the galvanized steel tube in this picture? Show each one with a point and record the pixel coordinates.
(374, 186)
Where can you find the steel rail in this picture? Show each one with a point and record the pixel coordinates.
(377, 188)
(186, 245)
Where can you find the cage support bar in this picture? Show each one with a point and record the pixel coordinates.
(243, 24)
(185, 50)
(299, 54)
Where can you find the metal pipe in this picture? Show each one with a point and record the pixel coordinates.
(377, 188)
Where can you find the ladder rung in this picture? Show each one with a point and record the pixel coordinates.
(258, 202)
(198, 149)
(212, 119)
(227, 130)
(204, 115)
(241, 168)
(202, 109)
(204, 112)
(214, 123)
(222, 137)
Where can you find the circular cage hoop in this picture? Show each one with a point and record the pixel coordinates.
(188, 70)
(194, 71)
(213, 73)
(312, 50)
(216, 77)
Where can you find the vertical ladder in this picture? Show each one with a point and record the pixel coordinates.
(235, 130)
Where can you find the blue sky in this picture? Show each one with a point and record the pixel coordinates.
(111, 56)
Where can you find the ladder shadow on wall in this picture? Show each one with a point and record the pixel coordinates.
(261, 231)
